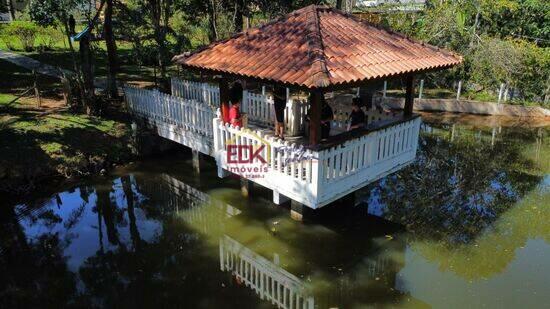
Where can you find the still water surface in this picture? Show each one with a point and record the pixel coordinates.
(466, 226)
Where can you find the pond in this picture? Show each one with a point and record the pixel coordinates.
(466, 225)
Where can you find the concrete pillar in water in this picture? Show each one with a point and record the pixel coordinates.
(297, 211)
(196, 161)
(246, 187)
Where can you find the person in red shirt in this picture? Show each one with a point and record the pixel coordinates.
(236, 95)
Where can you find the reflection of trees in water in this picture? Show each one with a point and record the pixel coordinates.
(174, 267)
(130, 201)
(455, 190)
(469, 204)
(495, 248)
(34, 272)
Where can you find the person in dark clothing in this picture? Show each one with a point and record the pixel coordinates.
(279, 100)
(357, 116)
(327, 115)
(72, 25)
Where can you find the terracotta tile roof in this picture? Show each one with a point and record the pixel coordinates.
(317, 47)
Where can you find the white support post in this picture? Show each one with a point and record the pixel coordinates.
(420, 89)
(500, 92)
(278, 198)
(196, 161)
(385, 88)
(244, 102)
(458, 90)
(263, 90)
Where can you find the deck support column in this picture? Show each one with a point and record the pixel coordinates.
(278, 198)
(196, 161)
(246, 187)
(224, 99)
(409, 96)
(297, 211)
(315, 99)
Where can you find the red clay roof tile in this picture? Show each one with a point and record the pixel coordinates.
(318, 47)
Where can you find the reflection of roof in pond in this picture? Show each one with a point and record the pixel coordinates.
(317, 47)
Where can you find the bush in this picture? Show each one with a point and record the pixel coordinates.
(25, 32)
(48, 37)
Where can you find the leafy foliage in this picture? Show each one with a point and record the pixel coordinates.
(24, 31)
(502, 41)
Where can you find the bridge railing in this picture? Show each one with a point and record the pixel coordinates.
(202, 92)
(161, 108)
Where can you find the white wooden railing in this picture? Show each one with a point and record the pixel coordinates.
(316, 178)
(202, 92)
(292, 166)
(367, 158)
(268, 280)
(160, 108)
(260, 110)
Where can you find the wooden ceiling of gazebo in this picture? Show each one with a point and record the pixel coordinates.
(318, 47)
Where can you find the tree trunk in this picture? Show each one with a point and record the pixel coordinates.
(86, 59)
(213, 33)
(11, 9)
(110, 42)
(339, 4)
(158, 7)
(239, 13)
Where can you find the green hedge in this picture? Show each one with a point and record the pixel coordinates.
(28, 36)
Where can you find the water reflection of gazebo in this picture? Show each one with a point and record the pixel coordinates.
(318, 50)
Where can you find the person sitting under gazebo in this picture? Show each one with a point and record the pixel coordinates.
(357, 116)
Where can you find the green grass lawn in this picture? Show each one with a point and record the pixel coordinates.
(5, 98)
(35, 145)
(438, 93)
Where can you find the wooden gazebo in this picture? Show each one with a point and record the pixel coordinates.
(318, 49)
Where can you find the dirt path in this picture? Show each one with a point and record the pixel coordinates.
(31, 64)
(48, 70)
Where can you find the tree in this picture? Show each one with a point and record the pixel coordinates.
(110, 43)
(10, 8)
(4, 7)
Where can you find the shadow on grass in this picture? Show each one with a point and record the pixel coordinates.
(35, 147)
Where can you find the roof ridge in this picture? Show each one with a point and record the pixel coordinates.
(320, 76)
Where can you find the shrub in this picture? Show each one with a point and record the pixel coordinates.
(48, 37)
(25, 32)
